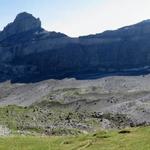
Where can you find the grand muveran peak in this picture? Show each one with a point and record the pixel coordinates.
(23, 22)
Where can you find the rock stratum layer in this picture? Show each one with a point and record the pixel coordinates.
(28, 52)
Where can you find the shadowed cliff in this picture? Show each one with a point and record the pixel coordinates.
(28, 53)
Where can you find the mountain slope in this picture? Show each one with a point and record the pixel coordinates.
(30, 53)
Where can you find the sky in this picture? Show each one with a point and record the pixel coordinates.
(78, 17)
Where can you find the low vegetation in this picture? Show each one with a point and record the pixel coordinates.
(54, 118)
(129, 139)
(44, 119)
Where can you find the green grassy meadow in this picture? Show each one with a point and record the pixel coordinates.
(133, 139)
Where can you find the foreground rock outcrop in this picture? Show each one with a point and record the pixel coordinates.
(4, 131)
(30, 53)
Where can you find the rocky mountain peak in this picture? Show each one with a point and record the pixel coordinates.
(29, 53)
(22, 23)
(26, 16)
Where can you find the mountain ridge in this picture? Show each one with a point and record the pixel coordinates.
(28, 52)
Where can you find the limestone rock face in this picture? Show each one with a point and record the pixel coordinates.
(27, 51)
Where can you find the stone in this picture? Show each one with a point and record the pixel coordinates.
(4, 131)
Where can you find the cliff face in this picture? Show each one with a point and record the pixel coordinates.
(29, 52)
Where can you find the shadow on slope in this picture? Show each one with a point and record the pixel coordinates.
(78, 76)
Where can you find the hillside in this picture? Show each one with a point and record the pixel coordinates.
(53, 84)
(72, 106)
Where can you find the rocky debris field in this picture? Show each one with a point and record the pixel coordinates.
(72, 106)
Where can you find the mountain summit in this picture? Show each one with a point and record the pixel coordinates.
(23, 22)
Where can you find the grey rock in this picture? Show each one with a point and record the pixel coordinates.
(4, 131)
(23, 22)
(55, 55)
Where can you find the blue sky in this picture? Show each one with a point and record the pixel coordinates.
(78, 17)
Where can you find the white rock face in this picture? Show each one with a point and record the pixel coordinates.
(4, 131)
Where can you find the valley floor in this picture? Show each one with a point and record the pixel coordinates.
(127, 139)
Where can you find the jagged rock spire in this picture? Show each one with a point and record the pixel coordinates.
(22, 23)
